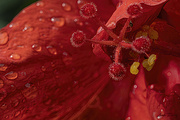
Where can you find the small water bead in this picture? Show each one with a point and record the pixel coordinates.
(3, 94)
(3, 106)
(28, 28)
(12, 25)
(128, 118)
(40, 3)
(11, 75)
(41, 12)
(52, 50)
(66, 6)
(59, 22)
(27, 85)
(3, 38)
(3, 67)
(78, 22)
(80, 3)
(1, 83)
(36, 47)
(15, 56)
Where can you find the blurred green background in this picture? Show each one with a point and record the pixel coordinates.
(10, 8)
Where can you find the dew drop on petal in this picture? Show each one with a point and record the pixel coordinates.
(3, 38)
(66, 6)
(30, 93)
(40, 3)
(67, 59)
(1, 83)
(11, 75)
(3, 94)
(3, 67)
(59, 22)
(28, 27)
(15, 56)
(128, 118)
(36, 47)
(43, 68)
(52, 50)
(3, 106)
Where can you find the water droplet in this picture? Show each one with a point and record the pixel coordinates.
(2, 94)
(52, 50)
(3, 38)
(169, 74)
(159, 117)
(59, 22)
(14, 103)
(17, 113)
(78, 22)
(40, 3)
(37, 47)
(11, 75)
(80, 3)
(43, 68)
(151, 86)
(128, 118)
(27, 85)
(13, 25)
(1, 83)
(41, 12)
(67, 59)
(3, 106)
(66, 6)
(30, 93)
(3, 67)
(28, 28)
(15, 56)
(41, 19)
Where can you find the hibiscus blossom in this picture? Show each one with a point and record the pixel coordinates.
(50, 69)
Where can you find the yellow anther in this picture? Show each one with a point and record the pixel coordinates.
(145, 27)
(151, 59)
(149, 63)
(133, 68)
(153, 34)
(141, 33)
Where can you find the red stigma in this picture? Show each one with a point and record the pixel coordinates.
(141, 44)
(88, 10)
(117, 71)
(77, 38)
(134, 9)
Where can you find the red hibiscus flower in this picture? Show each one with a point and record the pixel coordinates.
(50, 71)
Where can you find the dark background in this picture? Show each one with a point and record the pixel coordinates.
(10, 8)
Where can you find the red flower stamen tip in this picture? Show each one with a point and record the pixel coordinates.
(117, 71)
(141, 44)
(88, 10)
(134, 9)
(77, 38)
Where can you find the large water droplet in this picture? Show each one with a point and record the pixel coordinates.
(66, 6)
(15, 56)
(2, 94)
(1, 83)
(3, 38)
(40, 3)
(59, 22)
(36, 47)
(3, 67)
(28, 28)
(11, 75)
(52, 50)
